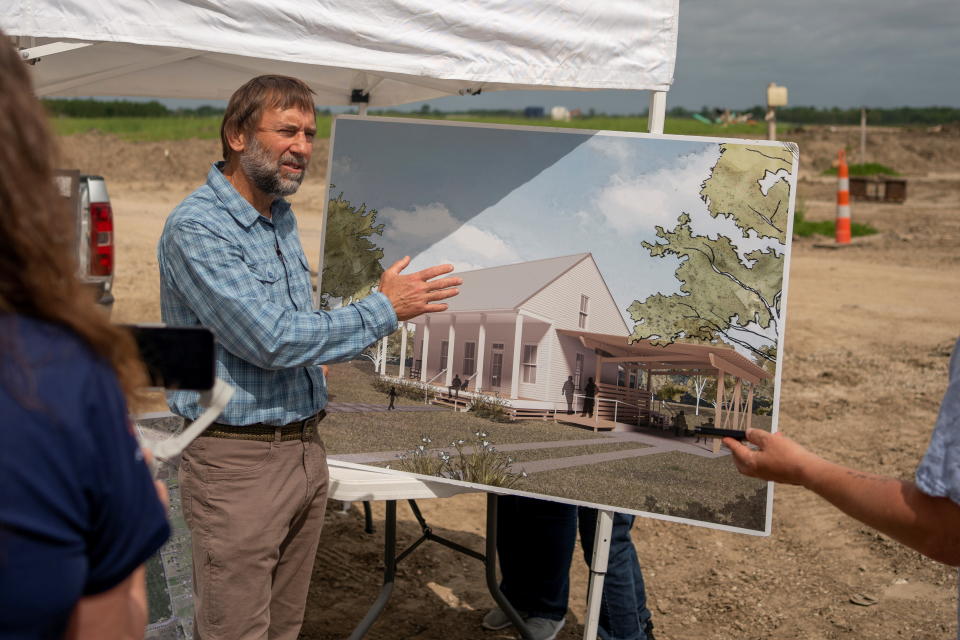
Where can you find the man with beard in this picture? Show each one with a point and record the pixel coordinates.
(254, 487)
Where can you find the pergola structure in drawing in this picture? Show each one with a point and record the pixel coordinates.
(733, 406)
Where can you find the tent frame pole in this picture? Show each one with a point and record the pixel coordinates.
(601, 542)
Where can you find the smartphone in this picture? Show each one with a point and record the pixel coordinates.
(176, 357)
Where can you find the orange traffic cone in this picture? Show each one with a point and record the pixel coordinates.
(843, 199)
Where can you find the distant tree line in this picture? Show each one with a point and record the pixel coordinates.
(87, 108)
(836, 115)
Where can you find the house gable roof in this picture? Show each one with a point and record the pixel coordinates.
(509, 286)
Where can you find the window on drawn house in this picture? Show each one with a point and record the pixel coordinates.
(578, 371)
(621, 376)
(529, 363)
(584, 302)
(633, 380)
(469, 358)
(444, 349)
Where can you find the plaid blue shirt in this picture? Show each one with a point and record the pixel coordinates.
(226, 267)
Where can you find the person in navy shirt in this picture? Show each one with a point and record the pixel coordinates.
(79, 511)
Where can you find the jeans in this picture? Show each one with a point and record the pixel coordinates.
(535, 540)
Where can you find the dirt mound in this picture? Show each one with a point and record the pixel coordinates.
(181, 161)
(910, 152)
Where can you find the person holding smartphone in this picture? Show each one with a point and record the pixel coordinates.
(79, 511)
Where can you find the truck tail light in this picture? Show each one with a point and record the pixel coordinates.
(101, 239)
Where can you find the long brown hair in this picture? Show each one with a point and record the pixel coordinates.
(38, 250)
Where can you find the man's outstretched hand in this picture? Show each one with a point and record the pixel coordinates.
(776, 458)
(413, 294)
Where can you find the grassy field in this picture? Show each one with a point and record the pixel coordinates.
(350, 382)
(672, 483)
(867, 169)
(400, 431)
(676, 126)
(208, 128)
(806, 228)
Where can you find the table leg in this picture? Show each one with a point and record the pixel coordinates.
(367, 517)
(491, 566)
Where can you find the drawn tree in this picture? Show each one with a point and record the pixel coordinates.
(723, 298)
(394, 342)
(699, 383)
(763, 393)
(351, 261)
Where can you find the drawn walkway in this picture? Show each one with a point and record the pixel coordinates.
(647, 444)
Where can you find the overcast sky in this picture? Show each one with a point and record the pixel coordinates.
(848, 53)
(881, 53)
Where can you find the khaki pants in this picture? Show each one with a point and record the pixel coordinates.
(254, 510)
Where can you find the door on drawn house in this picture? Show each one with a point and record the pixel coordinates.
(496, 364)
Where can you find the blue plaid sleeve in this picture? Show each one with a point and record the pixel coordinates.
(230, 296)
(939, 471)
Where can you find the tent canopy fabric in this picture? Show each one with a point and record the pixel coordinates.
(395, 51)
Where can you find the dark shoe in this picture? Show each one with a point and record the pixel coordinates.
(497, 619)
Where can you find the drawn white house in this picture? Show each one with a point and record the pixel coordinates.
(519, 331)
(500, 335)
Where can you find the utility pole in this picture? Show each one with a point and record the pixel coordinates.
(863, 135)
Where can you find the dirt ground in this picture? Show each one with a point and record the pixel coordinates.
(869, 332)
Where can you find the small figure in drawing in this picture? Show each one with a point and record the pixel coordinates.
(393, 397)
(567, 391)
(680, 424)
(589, 392)
(454, 388)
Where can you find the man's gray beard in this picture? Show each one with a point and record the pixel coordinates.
(265, 174)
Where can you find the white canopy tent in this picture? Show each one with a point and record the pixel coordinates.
(366, 52)
(375, 52)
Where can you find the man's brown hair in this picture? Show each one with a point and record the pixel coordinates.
(248, 103)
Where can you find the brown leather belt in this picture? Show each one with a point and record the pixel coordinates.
(300, 430)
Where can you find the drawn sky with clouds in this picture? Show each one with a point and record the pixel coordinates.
(480, 197)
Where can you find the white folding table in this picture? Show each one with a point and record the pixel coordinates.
(365, 485)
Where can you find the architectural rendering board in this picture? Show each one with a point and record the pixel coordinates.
(620, 292)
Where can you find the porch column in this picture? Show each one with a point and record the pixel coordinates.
(720, 416)
(649, 400)
(426, 348)
(451, 349)
(749, 406)
(481, 349)
(383, 355)
(517, 350)
(403, 349)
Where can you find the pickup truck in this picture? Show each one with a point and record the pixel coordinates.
(87, 197)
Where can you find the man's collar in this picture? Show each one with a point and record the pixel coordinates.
(238, 206)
